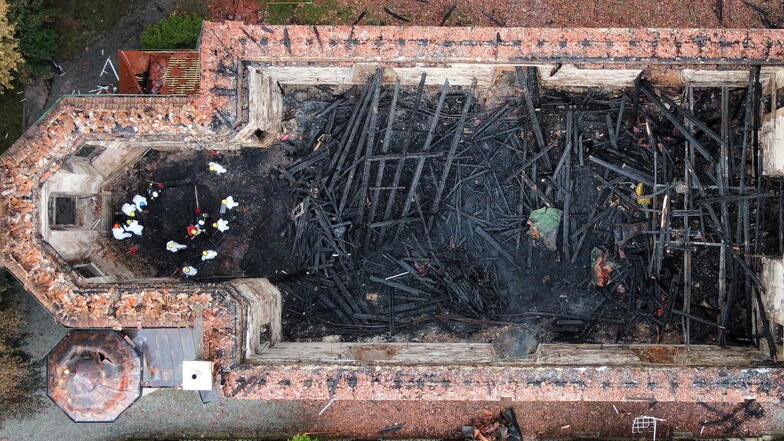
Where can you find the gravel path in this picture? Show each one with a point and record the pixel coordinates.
(166, 412)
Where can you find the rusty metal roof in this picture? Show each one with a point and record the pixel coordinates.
(94, 375)
(159, 72)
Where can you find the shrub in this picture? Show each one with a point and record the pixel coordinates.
(37, 38)
(20, 378)
(173, 32)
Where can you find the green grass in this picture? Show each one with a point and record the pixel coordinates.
(10, 116)
(317, 13)
(345, 15)
(80, 22)
(279, 14)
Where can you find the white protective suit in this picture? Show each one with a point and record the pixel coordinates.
(140, 202)
(217, 168)
(229, 202)
(119, 233)
(134, 227)
(189, 271)
(174, 246)
(222, 225)
(129, 209)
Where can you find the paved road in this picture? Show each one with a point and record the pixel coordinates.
(163, 413)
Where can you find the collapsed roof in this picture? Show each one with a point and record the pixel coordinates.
(240, 66)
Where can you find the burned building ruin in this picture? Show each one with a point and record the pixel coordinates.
(545, 218)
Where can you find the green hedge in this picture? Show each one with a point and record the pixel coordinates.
(173, 32)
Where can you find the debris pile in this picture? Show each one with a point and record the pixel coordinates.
(591, 216)
(491, 427)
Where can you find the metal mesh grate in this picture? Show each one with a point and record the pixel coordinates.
(645, 424)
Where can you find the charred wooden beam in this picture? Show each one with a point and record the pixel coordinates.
(624, 170)
(395, 15)
(384, 149)
(522, 80)
(421, 164)
(353, 124)
(675, 122)
(453, 148)
(535, 188)
(687, 114)
(371, 141)
(448, 14)
(404, 150)
(496, 246)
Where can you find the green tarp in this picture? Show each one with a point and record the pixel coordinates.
(544, 226)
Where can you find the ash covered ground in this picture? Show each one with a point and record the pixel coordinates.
(254, 245)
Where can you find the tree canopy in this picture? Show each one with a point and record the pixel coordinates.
(10, 58)
(33, 24)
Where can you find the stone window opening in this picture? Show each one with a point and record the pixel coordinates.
(88, 270)
(69, 211)
(62, 211)
(88, 152)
